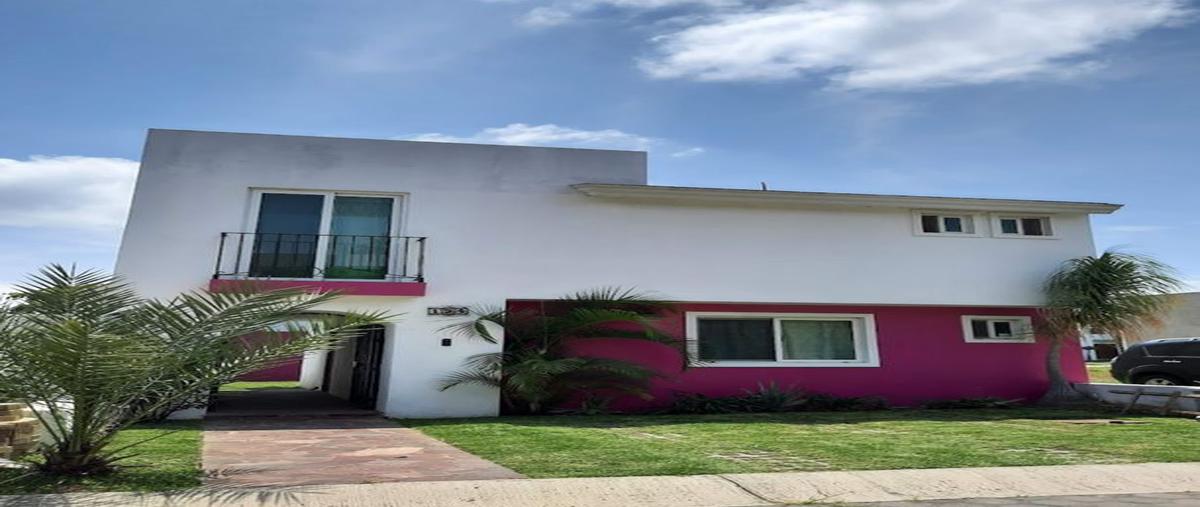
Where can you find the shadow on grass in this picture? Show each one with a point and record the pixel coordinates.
(847, 417)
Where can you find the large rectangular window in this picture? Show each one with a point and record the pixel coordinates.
(323, 235)
(791, 339)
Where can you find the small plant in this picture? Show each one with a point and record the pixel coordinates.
(537, 370)
(691, 403)
(829, 403)
(592, 404)
(970, 403)
(771, 398)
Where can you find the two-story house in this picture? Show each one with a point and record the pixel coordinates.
(906, 297)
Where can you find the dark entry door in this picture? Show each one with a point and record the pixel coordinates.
(368, 361)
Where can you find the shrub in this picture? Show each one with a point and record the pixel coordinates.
(96, 357)
(771, 398)
(591, 404)
(970, 403)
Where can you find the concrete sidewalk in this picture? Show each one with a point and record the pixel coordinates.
(740, 490)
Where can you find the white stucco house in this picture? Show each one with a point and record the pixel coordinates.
(905, 297)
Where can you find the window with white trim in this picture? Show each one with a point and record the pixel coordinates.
(791, 339)
(1017, 226)
(997, 329)
(324, 234)
(939, 223)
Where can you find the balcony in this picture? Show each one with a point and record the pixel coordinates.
(349, 264)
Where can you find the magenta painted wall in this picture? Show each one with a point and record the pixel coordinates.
(289, 370)
(923, 356)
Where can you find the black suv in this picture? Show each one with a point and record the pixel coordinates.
(1165, 362)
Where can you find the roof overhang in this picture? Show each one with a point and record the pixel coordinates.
(733, 196)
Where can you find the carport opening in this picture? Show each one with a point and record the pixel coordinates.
(344, 381)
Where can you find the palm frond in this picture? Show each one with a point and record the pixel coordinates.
(1114, 292)
(479, 323)
(98, 358)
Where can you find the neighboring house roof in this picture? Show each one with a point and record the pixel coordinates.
(783, 197)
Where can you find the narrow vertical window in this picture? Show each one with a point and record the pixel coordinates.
(979, 329)
(1009, 226)
(358, 241)
(929, 224)
(953, 224)
(1032, 227)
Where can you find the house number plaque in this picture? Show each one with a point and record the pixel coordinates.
(447, 311)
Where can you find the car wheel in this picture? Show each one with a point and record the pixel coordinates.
(1159, 380)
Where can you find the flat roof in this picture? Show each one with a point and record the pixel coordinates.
(700, 195)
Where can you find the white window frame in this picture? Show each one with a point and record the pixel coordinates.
(1022, 329)
(866, 344)
(971, 221)
(1047, 226)
(396, 228)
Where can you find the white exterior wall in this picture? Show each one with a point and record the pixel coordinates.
(503, 223)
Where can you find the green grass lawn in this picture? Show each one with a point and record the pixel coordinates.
(1100, 372)
(254, 386)
(583, 446)
(166, 463)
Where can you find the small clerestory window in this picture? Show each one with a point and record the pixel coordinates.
(997, 329)
(1024, 226)
(949, 224)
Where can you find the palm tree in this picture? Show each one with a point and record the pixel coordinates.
(1112, 293)
(536, 369)
(91, 357)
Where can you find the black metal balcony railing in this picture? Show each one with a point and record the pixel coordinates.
(321, 256)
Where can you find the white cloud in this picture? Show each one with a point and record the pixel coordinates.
(564, 11)
(1136, 228)
(690, 152)
(85, 193)
(546, 135)
(904, 44)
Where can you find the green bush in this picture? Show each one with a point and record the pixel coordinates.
(971, 403)
(770, 398)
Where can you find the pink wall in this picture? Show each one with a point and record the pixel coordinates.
(923, 356)
(289, 370)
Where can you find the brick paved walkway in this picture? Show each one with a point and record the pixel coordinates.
(281, 451)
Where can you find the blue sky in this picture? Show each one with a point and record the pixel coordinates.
(1094, 100)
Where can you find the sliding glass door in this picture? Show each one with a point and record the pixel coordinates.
(322, 236)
